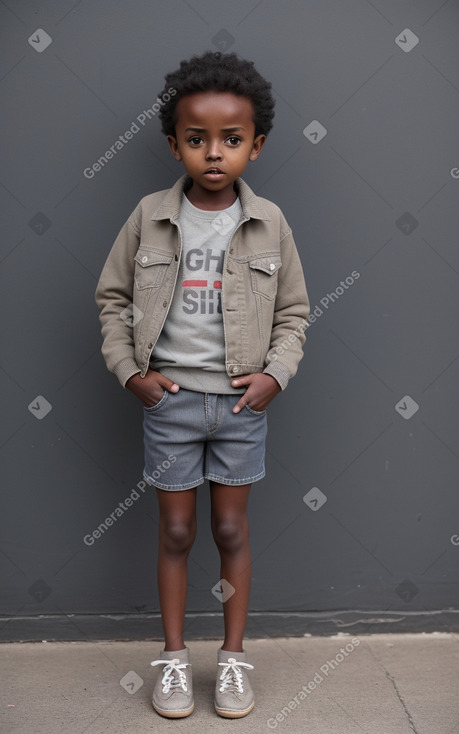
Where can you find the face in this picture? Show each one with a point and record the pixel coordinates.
(215, 140)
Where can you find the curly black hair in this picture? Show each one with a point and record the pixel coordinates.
(222, 73)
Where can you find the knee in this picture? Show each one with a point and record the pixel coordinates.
(230, 535)
(178, 536)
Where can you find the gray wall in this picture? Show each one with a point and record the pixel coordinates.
(378, 194)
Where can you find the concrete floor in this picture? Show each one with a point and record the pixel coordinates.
(378, 684)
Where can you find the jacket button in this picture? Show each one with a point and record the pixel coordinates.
(232, 250)
(235, 369)
(145, 259)
(164, 304)
(272, 266)
(150, 345)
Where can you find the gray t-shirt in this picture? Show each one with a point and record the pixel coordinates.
(191, 347)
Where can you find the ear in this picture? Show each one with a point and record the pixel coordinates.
(174, 147)
(258, 144)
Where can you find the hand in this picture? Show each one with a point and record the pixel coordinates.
(261, 390)
(149, 388)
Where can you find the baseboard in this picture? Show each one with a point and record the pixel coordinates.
(92, 627)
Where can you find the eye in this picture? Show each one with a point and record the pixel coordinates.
(195, 140)
(234, 140)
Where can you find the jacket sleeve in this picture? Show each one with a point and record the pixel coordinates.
(291, 311)
(113, 296)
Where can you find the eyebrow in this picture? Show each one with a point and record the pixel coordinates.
(224, 129)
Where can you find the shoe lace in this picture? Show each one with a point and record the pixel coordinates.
(231, 676)
(173, 674)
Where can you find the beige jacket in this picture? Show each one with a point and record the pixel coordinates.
(264, 299)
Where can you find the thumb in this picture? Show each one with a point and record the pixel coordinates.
(169, 384)
(239, 381)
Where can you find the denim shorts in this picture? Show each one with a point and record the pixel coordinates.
(191, 436)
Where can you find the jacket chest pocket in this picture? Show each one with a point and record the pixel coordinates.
(263, 274)
(151, 267)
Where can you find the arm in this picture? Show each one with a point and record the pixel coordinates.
(288, 336)
(113, 295)
(291, 311)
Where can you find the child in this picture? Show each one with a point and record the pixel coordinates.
(203, 307)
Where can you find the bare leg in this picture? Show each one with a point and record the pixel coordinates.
(177, 531)
(230, 530)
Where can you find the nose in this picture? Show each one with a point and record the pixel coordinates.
(213, 150)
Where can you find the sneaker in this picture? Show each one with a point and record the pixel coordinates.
(233, 693)
(173, 691)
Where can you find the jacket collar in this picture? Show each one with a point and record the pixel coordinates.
(170, 205)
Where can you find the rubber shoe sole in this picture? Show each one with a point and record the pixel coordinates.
(174, 714)
(233, 714)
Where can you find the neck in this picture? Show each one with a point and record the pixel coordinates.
(211, 200)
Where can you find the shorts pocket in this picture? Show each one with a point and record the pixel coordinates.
(151, 267)
(159, 404)
(255, 412)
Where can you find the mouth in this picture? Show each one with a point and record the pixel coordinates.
(213, 172)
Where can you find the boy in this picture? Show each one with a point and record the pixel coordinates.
(203, 307)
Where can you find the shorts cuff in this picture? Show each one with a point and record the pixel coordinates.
(172, 487)
(236, 482)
